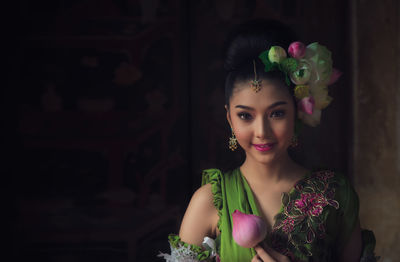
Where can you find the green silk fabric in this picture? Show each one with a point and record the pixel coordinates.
(231, 191)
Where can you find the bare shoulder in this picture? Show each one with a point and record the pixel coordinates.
(203, 194)
(200, 218)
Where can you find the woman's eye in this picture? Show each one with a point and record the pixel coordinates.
(278, 114)
(244, 116)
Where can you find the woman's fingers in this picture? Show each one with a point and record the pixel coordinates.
(267, 254)
(256, 258)
(263, 255)
(276, 255)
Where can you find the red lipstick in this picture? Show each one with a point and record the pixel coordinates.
(263, 147)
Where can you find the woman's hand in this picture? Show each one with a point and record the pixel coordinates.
(268, 255)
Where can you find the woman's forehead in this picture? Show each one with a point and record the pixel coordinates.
(269, 93)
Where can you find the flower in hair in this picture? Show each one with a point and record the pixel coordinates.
(307, 104)
(297, 50)
(302, 74)
(276, 54)
(276, 59)
(320, 60)
(310, 69)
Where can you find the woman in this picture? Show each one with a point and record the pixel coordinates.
(310, 215)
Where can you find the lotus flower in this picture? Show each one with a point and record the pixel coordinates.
(303, 73)
(320, 95)
(320, 60)
(248, 230)
(297, 50)
(276, 54)
(301, 91)
(334, 76)
(307, 105)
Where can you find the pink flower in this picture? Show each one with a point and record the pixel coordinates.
(307, 105)
(288, 225)
(334, 76)
(297, 50)
(311, 204)
(248, 230)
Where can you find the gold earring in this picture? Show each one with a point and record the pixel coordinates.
(233, 142)
(295, 141)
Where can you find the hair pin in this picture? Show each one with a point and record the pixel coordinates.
(255, 84)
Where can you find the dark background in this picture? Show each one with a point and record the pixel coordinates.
(112, 108)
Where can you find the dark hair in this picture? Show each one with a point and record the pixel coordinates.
(245, 43)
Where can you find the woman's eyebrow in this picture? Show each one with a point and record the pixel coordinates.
(277, 104)
(269, 107)
(244, 107)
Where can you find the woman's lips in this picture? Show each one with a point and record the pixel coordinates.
(263, 147)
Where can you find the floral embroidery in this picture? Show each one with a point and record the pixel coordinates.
(302, 218)
(311, 204)
(288, 225)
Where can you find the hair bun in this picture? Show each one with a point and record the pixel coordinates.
(248, 40)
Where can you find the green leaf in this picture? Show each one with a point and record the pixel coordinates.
(268, 65)
(285, 198)
(264, 57)
(287, 80)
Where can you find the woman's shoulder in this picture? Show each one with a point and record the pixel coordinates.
(208, 197)
(201, 216)
(202, 198)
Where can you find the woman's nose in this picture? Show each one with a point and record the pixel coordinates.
(262, 128)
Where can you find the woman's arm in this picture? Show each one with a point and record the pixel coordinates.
(352, 250)
(201, 217)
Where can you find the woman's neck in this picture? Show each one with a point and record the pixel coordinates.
(280, 170)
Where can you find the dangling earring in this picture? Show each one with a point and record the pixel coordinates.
(233, 141)
(295, 141)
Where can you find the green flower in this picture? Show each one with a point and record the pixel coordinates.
(303, 73)
(276, 54)
(289, 65)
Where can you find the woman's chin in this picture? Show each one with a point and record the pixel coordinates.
(266, 157)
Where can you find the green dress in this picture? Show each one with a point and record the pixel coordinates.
(314, 223)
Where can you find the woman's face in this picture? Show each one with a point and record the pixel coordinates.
(263, 122)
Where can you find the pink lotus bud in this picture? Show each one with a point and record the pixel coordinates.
(297, 50)
(307, 105)
(248, 230)
(334, 76)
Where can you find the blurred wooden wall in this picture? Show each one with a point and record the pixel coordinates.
(376, 110)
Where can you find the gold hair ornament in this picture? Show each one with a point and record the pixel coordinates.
(255, 84)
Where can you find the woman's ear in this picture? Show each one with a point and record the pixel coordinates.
(228, 115)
